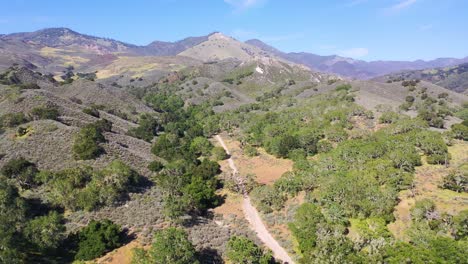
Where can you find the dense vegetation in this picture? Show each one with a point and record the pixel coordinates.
(353, 180)
(30, 235)
(348, 167)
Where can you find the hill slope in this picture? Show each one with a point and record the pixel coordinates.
(454, 78)
(352, 68)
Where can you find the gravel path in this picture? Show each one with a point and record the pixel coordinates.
(252, 215)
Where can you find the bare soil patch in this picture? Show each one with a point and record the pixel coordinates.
(265, 167)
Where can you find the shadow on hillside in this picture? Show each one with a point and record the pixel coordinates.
(209, 255)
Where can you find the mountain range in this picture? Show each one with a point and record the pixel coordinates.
(31, 47)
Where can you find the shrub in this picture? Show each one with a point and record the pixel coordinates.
(410, 83)
(86, 189)
(409, 99)
(242, 250)
(21, 170)
(155, 166)
(266, 198)
(219, 153)
(324, 146)
(98, 238)
(86, 145)
(389, 118)
(343, 87)
(22, 131)
(29, 86)
(460, 131)
(170, 245)
(45, 112)
(147, 129)
(456, 181)
(421, 209)
(460, 225)
(13, 119)
(250, 151)
(92, 111)
(442, 95)
(46, 232)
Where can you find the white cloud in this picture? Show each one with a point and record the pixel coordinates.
(244, 4)
(403, 4)
(354, 52)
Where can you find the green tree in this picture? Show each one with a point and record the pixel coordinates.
(170, 245)
(460, 225)
(219, 153)
(22, 171)
(86, 144)
(147, 129)
(201, 146)
(460, 131)
(46, 232)
(243, 250)
(305, 225)
(98, 238)
(12, 217)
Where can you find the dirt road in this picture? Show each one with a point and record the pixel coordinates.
(251, 214)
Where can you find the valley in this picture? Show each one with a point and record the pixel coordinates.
(214, 150)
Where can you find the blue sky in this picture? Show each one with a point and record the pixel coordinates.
(363, 29)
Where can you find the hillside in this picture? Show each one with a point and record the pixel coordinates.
(211, 150)
(454, 78)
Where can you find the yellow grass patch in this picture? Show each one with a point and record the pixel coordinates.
(137, 66)
(122, 255)
(427, 181)
(63, 55)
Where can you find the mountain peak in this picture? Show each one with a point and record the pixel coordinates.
(219, 35)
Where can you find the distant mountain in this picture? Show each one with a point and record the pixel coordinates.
(454, 78)
(219, 46)
(162, 48)
(67, 38)
(64, 37)
(53, 47)
(352, 68)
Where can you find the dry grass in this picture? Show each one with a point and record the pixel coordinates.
(137, 66)
(426, 185)
(265, 167)
(122, 255)
(62, 54)
(232, 205)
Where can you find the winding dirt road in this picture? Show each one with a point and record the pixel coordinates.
(252, 215)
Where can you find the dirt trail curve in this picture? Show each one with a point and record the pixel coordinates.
(252, 215)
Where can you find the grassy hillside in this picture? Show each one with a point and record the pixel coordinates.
(101, 150)
(453, 78)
